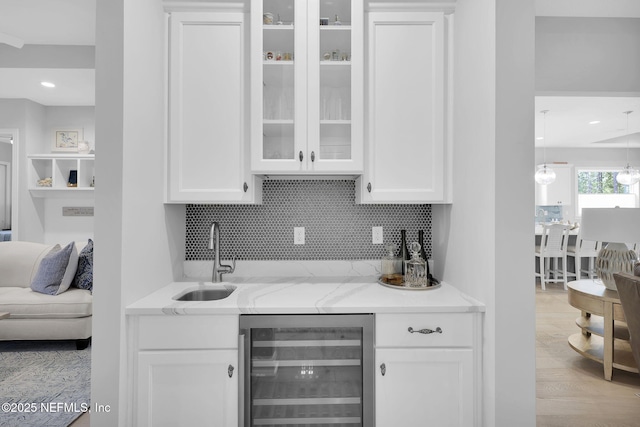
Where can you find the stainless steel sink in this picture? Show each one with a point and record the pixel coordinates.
(206, 294)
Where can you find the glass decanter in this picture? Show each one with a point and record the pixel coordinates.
(415, 269)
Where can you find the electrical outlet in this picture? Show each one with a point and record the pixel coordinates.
(376, 235)
(298, 235)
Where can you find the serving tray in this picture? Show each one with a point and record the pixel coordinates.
(398, 283)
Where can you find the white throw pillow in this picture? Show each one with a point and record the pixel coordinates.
(70, 271)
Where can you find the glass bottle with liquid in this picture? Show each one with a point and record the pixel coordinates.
(391, 264)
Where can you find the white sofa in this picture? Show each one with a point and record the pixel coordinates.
(36, 316)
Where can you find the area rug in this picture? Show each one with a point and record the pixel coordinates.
(43, 383)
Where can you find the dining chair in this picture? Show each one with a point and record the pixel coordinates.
(583, 249)
(552, 251)
(629, 294)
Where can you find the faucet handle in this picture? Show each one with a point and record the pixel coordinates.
(228, 269)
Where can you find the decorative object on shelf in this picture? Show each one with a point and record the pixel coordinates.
(415, 270)
(93, 182)
(337, 21)
(67, 139)
(45, 182)
(629, 175)
(615, 226)
(403, 253)
(267, 18)
(544, 175)
(83, 147)
(73, 178)
(279, 22)
(324, 21)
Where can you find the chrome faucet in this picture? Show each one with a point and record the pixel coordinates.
(214, 243)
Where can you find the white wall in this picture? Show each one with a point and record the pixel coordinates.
(587, 55)
(27, 117)
(482, 253)
(73, 117)
(614, 157)
(138, 239)
(40, 219)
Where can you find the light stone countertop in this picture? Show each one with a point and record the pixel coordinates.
(306, 295)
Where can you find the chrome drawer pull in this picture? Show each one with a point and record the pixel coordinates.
(426, 331)
(230, 370)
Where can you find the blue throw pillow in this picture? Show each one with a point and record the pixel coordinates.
(51, 270)
(84, 273)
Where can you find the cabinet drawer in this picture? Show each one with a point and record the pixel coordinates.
(392, 330)
(187, 332)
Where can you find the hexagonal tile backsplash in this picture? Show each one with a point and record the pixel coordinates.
(335, 227)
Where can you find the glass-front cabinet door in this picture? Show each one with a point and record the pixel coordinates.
(336, 95)
(307, 86)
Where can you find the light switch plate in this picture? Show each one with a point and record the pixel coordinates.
(377, 236)
(298, 235)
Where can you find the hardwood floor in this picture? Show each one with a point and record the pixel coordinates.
(83, 420)
(571, 389)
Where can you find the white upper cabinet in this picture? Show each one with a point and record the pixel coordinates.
(307, 90)
(559, 192)
(208, 152)
(406, 155)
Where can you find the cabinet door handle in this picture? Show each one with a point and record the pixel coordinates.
(369, 187)
(301, 156)
(245, 187)
(230, 371)
(313, 156)
(383, 369)
(426, 331)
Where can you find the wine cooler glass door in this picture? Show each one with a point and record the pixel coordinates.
(317, 372)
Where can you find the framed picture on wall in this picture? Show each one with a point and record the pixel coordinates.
(67, 139)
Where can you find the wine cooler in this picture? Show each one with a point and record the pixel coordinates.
(307, 370)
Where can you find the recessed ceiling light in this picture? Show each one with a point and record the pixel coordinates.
(47, 84)
(595, 122)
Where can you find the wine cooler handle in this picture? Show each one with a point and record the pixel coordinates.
(241, 385)
(426, 331)
(383, 369)
(301, 156)
(230, 370)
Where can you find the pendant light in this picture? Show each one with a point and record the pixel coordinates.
(544, 175)
(629, 175)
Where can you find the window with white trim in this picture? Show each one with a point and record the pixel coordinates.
(598, 188)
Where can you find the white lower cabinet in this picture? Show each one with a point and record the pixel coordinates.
(183, 371)
(428, 377)
(187, 388)
(424, 387)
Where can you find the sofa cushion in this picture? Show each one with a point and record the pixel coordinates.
(20, 262)
(52, 270)
(23, 303)
(84, 274)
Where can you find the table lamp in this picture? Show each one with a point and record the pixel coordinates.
(616, 226)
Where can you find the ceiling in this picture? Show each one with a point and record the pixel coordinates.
(48, 22)
(72, 22)
(568, 121)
